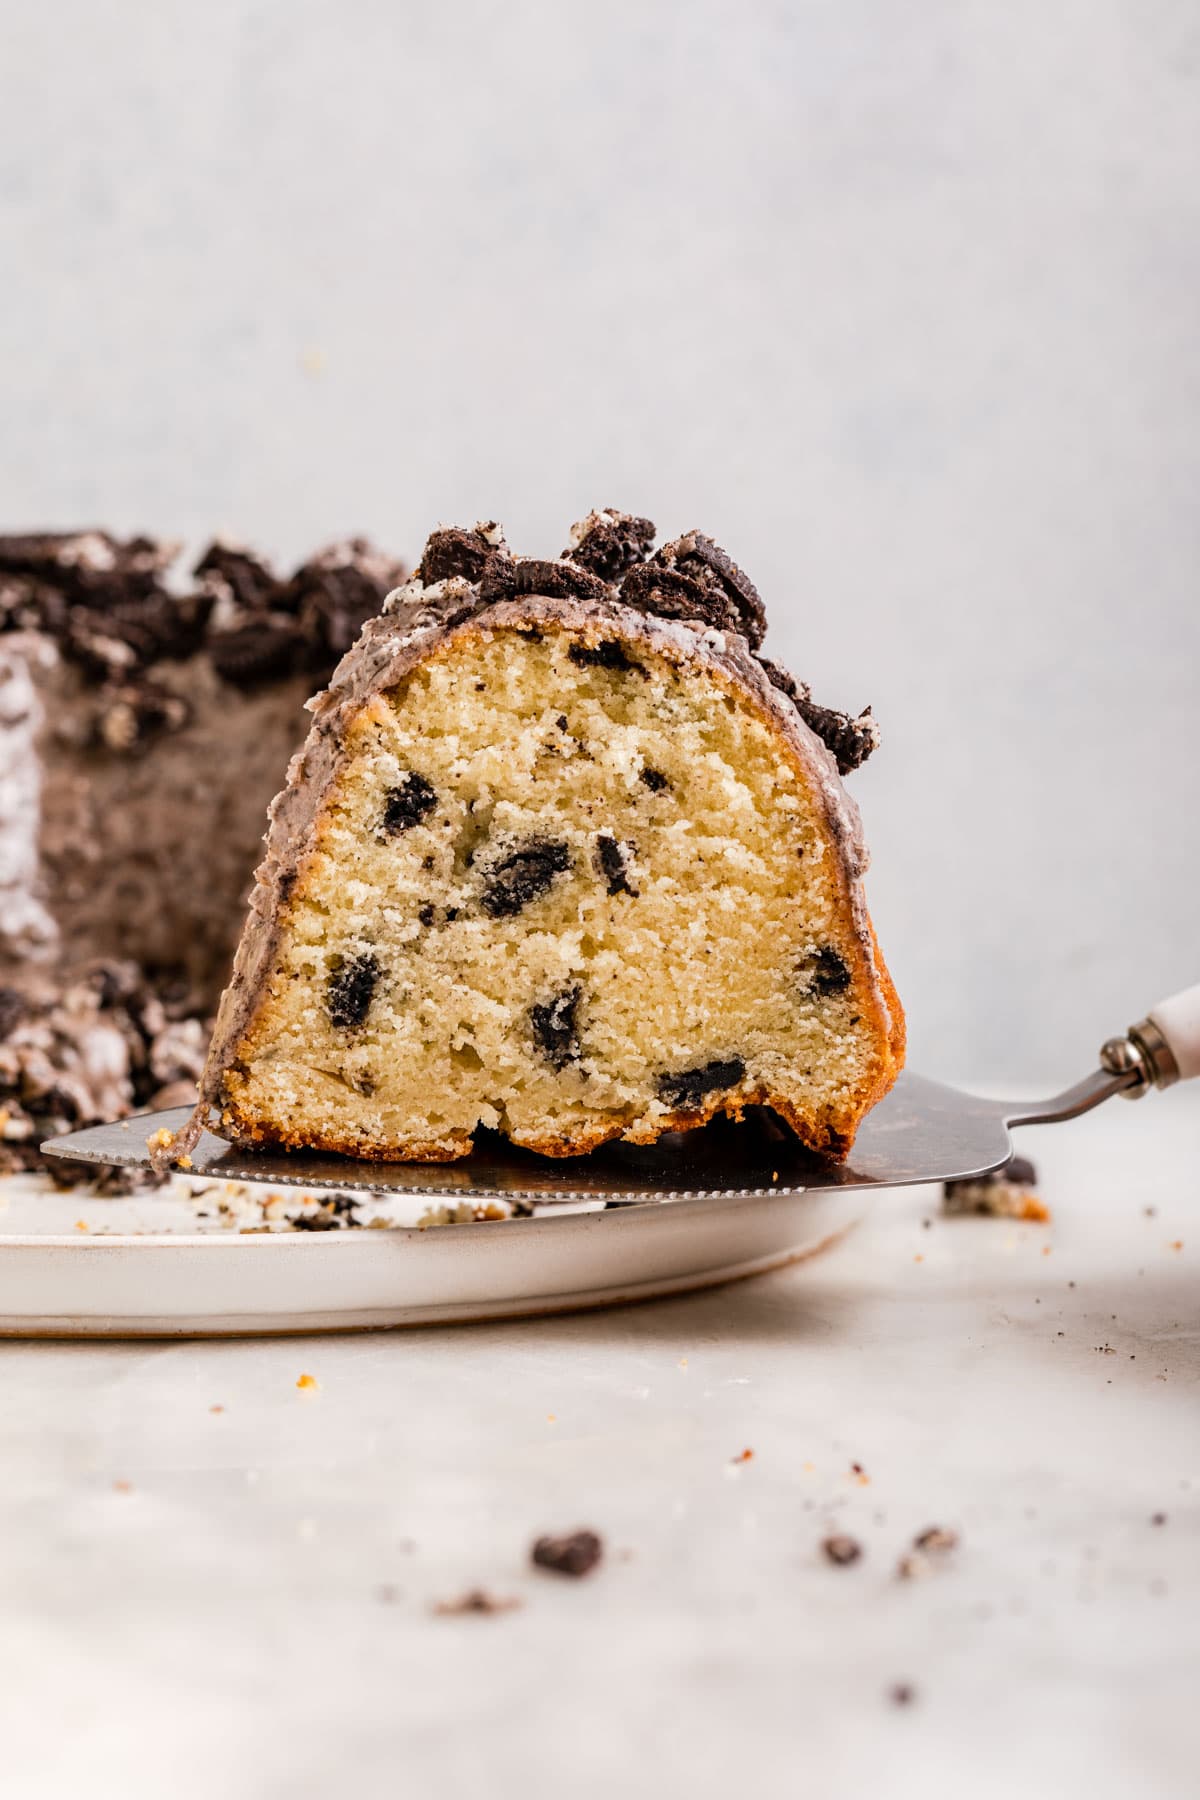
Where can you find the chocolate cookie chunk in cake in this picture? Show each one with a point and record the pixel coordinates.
(560, 865)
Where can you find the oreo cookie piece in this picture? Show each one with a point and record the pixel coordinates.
(687, 1088)
(87, 565)
(555, 1028)
(407, 804)
(607, 543)
(455, 551)
(336, 592)
(252, 582)
(351, 990)
(825, 973)
(730, 595)
(530, 575)
(523, 875)
(609, 653)
(575, 1554)
(851, 740)
(263, 647)
(665, 593)
(612, 860)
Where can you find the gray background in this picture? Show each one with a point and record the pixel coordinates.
(897, 301)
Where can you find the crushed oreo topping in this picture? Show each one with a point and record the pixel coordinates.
(666, 593)
(607, 543)
(251, 582)
(654, 779)
(727, 589)
(613, 859)
(523, 875)
(825, 973)
(851, 740)
(555, 1028)
(334, 594)
(530, 575)
(576, 1553)
(688, 1088)
(250, 653)
(109, 607)
(86, 1052)
(407, 804)
(351, 990)
(454, 552)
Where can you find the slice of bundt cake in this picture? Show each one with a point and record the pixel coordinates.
(562, 856)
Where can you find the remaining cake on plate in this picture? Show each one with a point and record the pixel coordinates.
(143, 724)
(562, 857)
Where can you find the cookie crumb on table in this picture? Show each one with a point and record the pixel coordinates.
(842, 1549)
(476, 1600)
(575, 1553)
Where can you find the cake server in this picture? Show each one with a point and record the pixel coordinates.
(922, 1131)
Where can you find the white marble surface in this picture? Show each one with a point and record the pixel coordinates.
(250, 1615)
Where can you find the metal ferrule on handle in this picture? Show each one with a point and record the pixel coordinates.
(1160, 1049)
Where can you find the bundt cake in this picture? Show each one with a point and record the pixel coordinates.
(562, 856)
(145, 715)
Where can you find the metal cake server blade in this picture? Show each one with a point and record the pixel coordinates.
(923, 1131)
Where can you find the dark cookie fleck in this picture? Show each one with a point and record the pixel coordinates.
(688, 1087)
(577, 1553)
(406, 804)
(457, 552)
(841, 1548)
(612, 859)
(555, 1027)
(427, 914)
(825, 972)
(613, 542)
(609, 653)
(351, 990)
(522, 876)
(554, 580)
(654, 780)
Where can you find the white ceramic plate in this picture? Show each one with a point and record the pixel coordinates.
(142, 1268)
